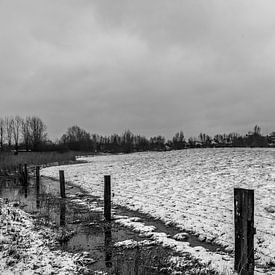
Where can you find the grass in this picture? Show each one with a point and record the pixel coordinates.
(155, 260)
(10, 162)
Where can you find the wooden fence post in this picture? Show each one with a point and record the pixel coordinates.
(107, 198)
(244, 231)
(62, 183)
(37, 176)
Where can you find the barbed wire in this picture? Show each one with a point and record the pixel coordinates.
(265, 217)
(187, 213)
(176, 201)
(193, 203)
(132, 194)
(265, 232)
(260, 252)
(200, 216)
(194, 214)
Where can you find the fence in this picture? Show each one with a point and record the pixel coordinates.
(243, 218)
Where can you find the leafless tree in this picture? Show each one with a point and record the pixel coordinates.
(2, 133)
(257, 130)
(37, 132)
(16, 125)
(8, 124)
(25, 129)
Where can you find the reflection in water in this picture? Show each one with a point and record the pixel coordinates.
(37, 186)
(88, 234)
(26, 190)
(37, 177)
(108, 244)
(37, 198)
(137, 260)
(62, 213)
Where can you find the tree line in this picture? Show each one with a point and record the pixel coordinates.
(29, 134)
(80, 140)
(17, 132)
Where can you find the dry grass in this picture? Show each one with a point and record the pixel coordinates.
(10, 162)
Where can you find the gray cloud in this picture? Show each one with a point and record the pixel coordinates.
(152, 66)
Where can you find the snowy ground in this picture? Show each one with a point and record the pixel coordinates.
(26, 248)
(192, 189)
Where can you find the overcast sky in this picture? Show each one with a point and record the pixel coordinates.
(152, 66)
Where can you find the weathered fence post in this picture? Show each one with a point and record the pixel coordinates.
(25, 179)
(62, 183)
(37, 176)
(244, 231)
(107, 198)
(26, 174)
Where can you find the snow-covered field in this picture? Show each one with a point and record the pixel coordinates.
(193, 189)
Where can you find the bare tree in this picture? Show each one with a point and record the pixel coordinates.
(257, 130)
(25, 129)
(2, 133)
(8, 124)
(77, 139)
(178, 140)
(16, 125)
(37, 132)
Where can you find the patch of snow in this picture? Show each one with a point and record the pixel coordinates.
(181, 236)
(25, 249)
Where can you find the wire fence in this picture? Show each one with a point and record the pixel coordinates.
(158, 200)
(219, 241)
(188, 202)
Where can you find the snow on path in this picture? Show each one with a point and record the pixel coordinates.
(192, 189)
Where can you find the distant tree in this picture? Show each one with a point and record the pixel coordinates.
(95, 143)
(191, 142)
(141, 143)
(25, 130)
(2, 133)
(16, 123)
(202, 138)
(115, 143)
(178, 141)
(205, 140)
(37, 132)
(219, 140)
(77, 139)
(8, 124)
(157, 143)
(255, 139)
(257, 130)
(236, 139)
(127, 141)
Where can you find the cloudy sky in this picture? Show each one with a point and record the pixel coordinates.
(153, 66)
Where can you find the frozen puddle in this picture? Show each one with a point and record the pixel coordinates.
(132, 243)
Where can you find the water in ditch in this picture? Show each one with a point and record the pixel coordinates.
(90, 232)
